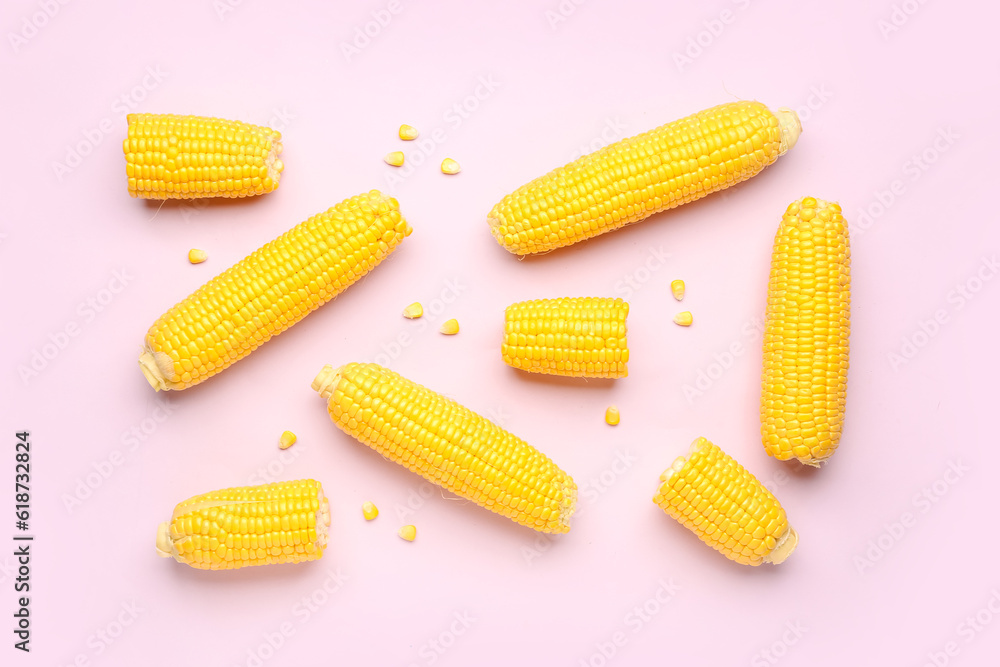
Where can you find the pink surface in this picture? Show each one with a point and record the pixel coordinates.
(900, 124)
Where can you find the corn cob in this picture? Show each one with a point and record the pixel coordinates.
(579, 337)
(286, 522)
(806, 331)
(270, 290)
(642, 175)
(448, 444)
(725, 506)
(186, 157)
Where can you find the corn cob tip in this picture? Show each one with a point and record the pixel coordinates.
(152, 364)
(326, 381)
(790, 126)
(784, 548)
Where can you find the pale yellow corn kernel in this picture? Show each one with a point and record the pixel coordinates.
(722, 503)
(369, 510)
(286, 522)
(677, 289)
(184, 157)
(394, 158)
(684, 319)
(448, 444)
(807, 329)
(408, 132)
(197, 256)
(449, 166)
(270, 290)
(287, 440)
(575, 336)
(612, 416)
(450, 328)
(413, 311)
(408, 532)
(636, 177)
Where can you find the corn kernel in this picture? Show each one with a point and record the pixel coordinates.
(196, 256)
(408, 532)
(611, 416)
(408, 132)
(450, 327)
(369, 510)
(394, 158)
(449, 166)
(677, 289)
(287, 440)
(684, 319)
(413, 311)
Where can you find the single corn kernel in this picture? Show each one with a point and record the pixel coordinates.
(394, 158)
(449, 166)
(408, 132)
(287, 440)
(611, 416)
(677, 289)
(450, 327)
(684, 319)
(413, 311)
(408, 533)
(369, 510)
(197, 256)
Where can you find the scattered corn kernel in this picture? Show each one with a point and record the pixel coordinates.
(287, 440)
(394, 158)
(413, 311)
(197, 256)
(369, 510)
(450, 327)
(684, 319)
(408, 132)
(408, 533)
(677, 288)
(449, 166)
(611, 416)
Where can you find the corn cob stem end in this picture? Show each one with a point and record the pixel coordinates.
(327, 380)
(791, 128)
(164, 545)
(152, 365)
(784, 548)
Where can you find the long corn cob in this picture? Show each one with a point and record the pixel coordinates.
(448, 444)
(579, 336)
(806, 331)
(186, 157)
(636, 177)
(287, 522)
(270, 290)
(725, 506)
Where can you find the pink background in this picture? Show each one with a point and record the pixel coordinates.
(870, 104)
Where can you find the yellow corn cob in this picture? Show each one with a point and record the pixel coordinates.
(448, 444)
(725, 506)
(270, 290)
(806, 330)
(186, 157)
(287, 522)
(636, 177)
(578, 336)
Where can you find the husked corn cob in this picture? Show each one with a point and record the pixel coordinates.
(186, 157)
(577, 336)
(636, 177)
(806, 331)
(270, 290)
(286, 522)
(448, 444)
(725, 506)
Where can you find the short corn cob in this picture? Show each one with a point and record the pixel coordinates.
(270, 290)
(448, 444)
(806, 331)
(286, 522)
(642, 175)
(725, 506)
(186, 157)
(579, 337)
